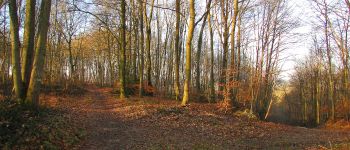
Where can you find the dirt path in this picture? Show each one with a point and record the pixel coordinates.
(152, 123)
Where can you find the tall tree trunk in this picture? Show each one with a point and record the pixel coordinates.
(129, 59)
(40, 52)
(212, 87)
(136, 40)
(188, 53)
(158, 53)
(329, 61)
(148, 41)
(141, 66)
(110, 59)
(238, 67)
(232, 90)
(224, 19)
(122, 51)
(71, 60)
(303, 99)
(317, 93)
(15, 50)
(5, 57)
(28, 44)
(199, 50)
(177, 51)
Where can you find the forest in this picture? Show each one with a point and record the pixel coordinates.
(174, 74)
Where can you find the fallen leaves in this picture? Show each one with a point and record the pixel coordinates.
(156, 123)
(35, 128)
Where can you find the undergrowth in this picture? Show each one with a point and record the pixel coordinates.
(24, 127)
(70, 89)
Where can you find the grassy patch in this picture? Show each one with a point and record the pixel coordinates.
(35, 128)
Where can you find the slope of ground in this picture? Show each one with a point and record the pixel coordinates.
(25, 127)
(151, 123)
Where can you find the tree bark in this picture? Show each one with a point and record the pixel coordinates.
(122, 51)
(212, 86)
(199, 50)
(148, 41)
(224, 18)
(188, 53)
(28, 44)
(232, 90)
(177, 51)
(141, 70)
(40, 52)
(15, 50)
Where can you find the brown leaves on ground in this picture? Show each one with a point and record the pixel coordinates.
(339, 125)
(154, 123)
(26, 127)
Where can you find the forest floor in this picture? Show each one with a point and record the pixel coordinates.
(153, 123)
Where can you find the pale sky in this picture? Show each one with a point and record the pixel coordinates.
(298, 50)
(301, 10)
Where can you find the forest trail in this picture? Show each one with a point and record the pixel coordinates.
(153, 123)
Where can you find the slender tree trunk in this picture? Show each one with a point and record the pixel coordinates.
(317, 96)
(232, 90)
(177, 51)
(167, 77)
(329, 59)
(346, 84)
(136, 41)
(15, 50)
(110, 61)
(129, 59)
(71, 60)
(122, 51)
(5, 57)
(148, 42)
(199, 50)
(224, 18)
(212, 86)
(158, 53)
(303, 99)
(141, 70)
(188, 53)
(238, 67)
(28, 44)
(40, 52)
